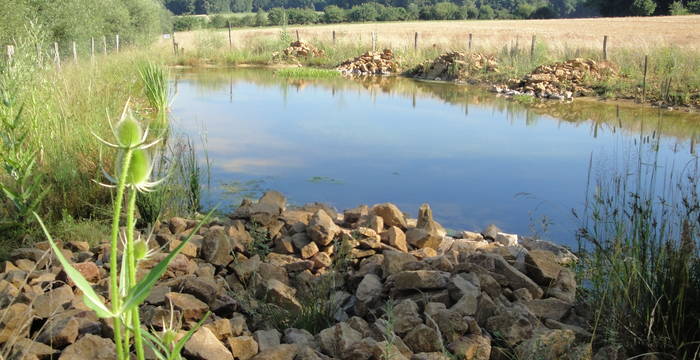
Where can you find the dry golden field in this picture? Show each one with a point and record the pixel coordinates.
(630, 33)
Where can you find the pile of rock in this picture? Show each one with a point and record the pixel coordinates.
(371, 63)
(404, 290)
(563, 80)
(297, 49)
(455, 66)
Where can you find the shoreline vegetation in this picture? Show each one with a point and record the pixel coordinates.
(633, 291)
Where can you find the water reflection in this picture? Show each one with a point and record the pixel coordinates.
(475, 158)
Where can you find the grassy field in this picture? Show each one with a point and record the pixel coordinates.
(638, 33)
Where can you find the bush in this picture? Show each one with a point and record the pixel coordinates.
(694, 7)
(260, 18)
(276, 16)
(218, 21)
(544, 12)
(302, 16)
(333, 14)
(446, 11)
(363, 13)
(471, 11)
(187, 23)
(390, 13)
(643, 7)
(677, 8)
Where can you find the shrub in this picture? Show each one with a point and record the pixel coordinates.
(677, 8)
(363, 13)
(302, 16)
(276, 16)
(643, 7)
(260, 18)
(486, 12)
(694, 6)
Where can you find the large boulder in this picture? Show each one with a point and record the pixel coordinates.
(282, 295)
(217, 248)
(423, 338)
(422, 238)
(338, 339)
(420, 280)
(542, 267)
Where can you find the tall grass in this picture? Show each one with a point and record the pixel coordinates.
(640, 258)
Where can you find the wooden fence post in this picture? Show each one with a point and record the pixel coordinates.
(57, 55)
(174, 43)
(230, 41)
(116, 41)
(470, 41)
(605, 47)
(104, 45)
(92, 49)
(415, 41)
(298, 35)
(333, 37)
(75, 54)
(374, 41)
(532, 46)
(644, 82)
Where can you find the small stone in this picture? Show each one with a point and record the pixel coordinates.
(243, 347)
(59, 333)
(423, 339)
(542, 267)
(507, 239)
(279, 352)
(338, 339)
(472, 347)
(52, 302)
(550, 308)
(267, 339)
(204, 345)
(90, 347)
(421, 280)
(217, 248)
(394, 262)
(282, 295)
(299, 337)
(370, 289)
(192, 309)
(396, 238)
(322, 229)
(391, 214)
(406, 317)
(421, 238)
(322, 260)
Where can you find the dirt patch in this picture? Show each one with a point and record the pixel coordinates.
(371, 63)
(564, 80)
(455, 66)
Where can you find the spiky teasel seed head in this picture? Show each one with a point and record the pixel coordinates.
(128, 131)
(140, 167)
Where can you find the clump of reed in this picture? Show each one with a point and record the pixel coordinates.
(641, 261)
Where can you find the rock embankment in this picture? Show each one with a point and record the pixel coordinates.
(308, 283)
(371, 63)
(455, 66)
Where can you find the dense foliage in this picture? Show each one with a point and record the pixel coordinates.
(392, 10)
(79, 20)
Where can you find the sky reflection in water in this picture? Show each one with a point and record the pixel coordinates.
(474, 158)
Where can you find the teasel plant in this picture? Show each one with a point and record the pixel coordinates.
(132, 175)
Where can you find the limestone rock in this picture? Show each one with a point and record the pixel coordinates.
(564, 287)
(322, 229)
(282, 295)
(192, 309)
(550, 308)
(423, 339)
(391, 214)
(217, 248)
(542, 267)
(394, 262)
(395, 237)
(204, 345)
(370, 289)
(406, 317)
(547, 344)
(90, 347)
(52, 301)
(279, 352)
(338, 339)
(243, 347)
(420, 279)
(472, 347)
(421, 238)
(59, 333)
(267, 339)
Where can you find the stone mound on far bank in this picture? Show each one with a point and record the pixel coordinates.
(455, 66)
(371, 63)
(564, 80)
(296, 50)
(308, 283)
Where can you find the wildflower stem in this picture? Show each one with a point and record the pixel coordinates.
(114, 253)
(131, 264)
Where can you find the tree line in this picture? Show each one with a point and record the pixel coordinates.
(392, 10)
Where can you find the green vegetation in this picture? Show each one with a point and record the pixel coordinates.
(306, 73)
(641, 261)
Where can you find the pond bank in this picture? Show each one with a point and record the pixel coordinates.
(310, 283)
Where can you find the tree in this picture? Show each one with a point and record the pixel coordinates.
(563, 7)
(642, 7)
(180, 7)
(202, 7)
(694, 7)
(363, 13)
(333, 14)
(677, 8)
(486, 12)
(524, 10)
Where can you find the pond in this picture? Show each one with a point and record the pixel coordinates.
(474, 157)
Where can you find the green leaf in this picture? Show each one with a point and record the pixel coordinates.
(180, 344)
(89, 296)
(154, 344)
(140, 292)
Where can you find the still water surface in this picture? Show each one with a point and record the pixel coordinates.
(475, 158)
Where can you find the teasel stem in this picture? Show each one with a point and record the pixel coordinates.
(131, 260)
(114, 252)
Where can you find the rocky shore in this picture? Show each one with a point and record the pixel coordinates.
(308, 283)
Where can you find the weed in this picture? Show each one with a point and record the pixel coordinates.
(306, 73)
